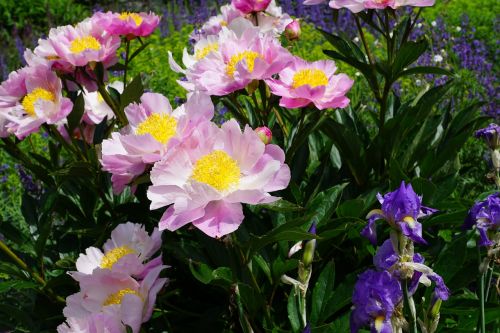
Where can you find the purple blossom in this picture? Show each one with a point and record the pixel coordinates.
(401, 209)
(376, 295)
(485, 216)
(388, 259)
(491, 135)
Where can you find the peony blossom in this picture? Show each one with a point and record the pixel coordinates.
(117, 295)
(302, 83)
(153, 129)
(82, 44)
(96, 109)
(358, 5)
(215, 23)
(401, 209)
(250, 6)
(31, 97)
(206, 181)
(202, 48)
(127, 24)
(245, 54)
(126, 251)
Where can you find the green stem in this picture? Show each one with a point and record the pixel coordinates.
(482, 318)
(19, 262)
(127, 51)
(407, 302)
(489, 278)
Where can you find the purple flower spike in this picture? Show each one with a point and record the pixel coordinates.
(401, 209)
(376, 294)
(485, 216)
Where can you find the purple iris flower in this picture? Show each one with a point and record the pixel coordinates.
(307, 329)
(485, 215)
(491, 135)
(401, 209)
(376, 295)
(387, 259)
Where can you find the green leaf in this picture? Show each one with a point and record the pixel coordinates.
(203, 273)
(323, 290)
(335, 157)
(132, 93)
(407, 54)
(76, 114)
(293, 311)
(424, 70)
(325, 203)
(351, 208)
(340, 298)
(6, 286)
(345, 46)
(282, 206)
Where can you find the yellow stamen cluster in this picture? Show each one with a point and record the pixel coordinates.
(312, 77)
(125, 16)
(162, 127)
(379, 322)
(114, 255)
(200, 54)
(84, 43)
(29, 100)
(410, 220)
(249, 58)
(218, 170)
(117, 297)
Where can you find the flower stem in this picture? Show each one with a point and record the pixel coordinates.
(482, 300)
(127, 51)
(19, 262)
(410, 310)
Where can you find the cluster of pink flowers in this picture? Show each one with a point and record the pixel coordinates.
(242, 49)
(67, 58)
(118, 286)
(356, 6)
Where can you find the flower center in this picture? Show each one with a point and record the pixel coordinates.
(114, 255)
(312, 77)
(379, 322)
(125, 16)
(410, 220)
(218, 170)
(84, 43)
(248, 56)
(29, 100)
(162, 127)
(200, 54)
(117, 297)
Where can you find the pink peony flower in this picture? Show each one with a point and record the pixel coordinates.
(80, 45)
(244, 55)
(31, 97)
(117, 295)
(250, 6)
(127, 24)
(302, 83)
(126, 251)
(215, 23)
(153, 129)
(96, 109)
(202, 48)
(95, 323)
(206, 182)
(358, 5)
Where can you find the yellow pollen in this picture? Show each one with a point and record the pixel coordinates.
(125, 16)
(114, 255)
(162, 127)
(84, 43)
(200, 54)
(223, 23)
(29, 100)
(379, 321)
(52, 57)
(312, 77)
(218, 170)
(410, 220)
(117, 297)
(248, 56)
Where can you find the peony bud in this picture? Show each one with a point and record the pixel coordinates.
(250, 6)
(292, 30)
(264, 134)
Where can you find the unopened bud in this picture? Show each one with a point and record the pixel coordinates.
(264, 134)
(495, 158)
(292, 30)
(309, 247)
(251, 6)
